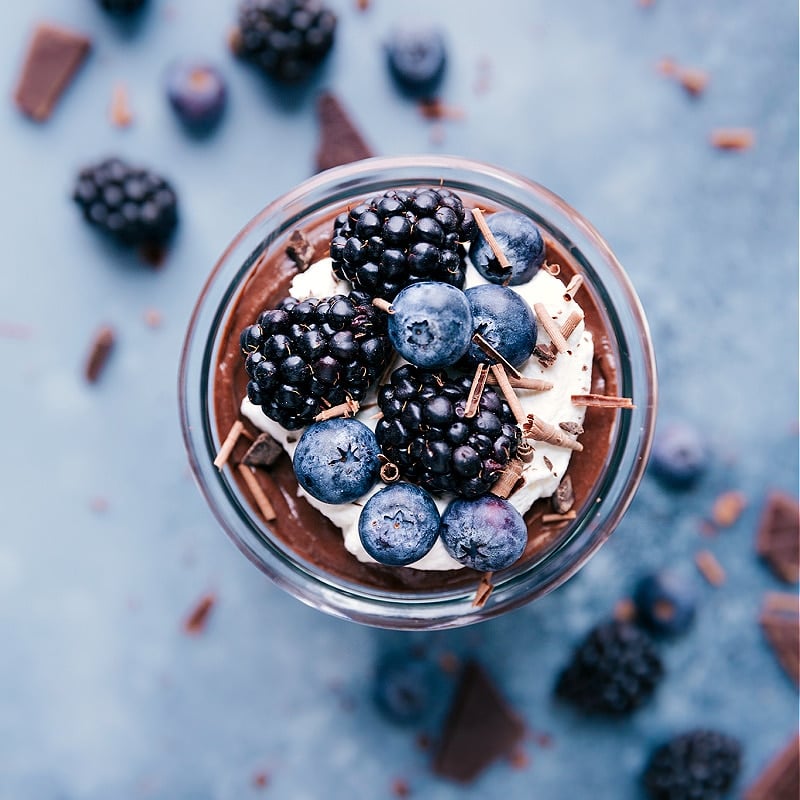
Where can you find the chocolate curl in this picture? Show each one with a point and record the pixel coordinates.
(553, 519)
(551, 327)
(383, 305)
(262, 501)
(571, 322)
(525, 451)
(476, 390)
(485, 588)
(541, 431)
(513, 401)
(494, 355)
(508, 479)
(390, 472)
(237, 429)
(526, 383)
(480, 221)
(602, 401)
(350, 406)
(575, 283)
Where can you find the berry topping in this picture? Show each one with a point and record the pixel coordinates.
(664, 603)
(680, 455)
(431, 324)
(505, 320)
(697, 765)
(417, 59)
(336, 461)
(425, 433)
(487, 534)
(399, 524)
(521, 242)
(122, 7)
(286, 39)
(197, 93)
(305, 356)
(405, 687)
(401, 237)
(134, 206)
(613, 671)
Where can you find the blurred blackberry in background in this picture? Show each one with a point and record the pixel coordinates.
(401, 237)
(286, 39)
(424, 432)
(133, 205)
(698, 765)
(303, 357)
(122, 7)
(613, 671)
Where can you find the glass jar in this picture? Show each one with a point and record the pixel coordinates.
(629, 348)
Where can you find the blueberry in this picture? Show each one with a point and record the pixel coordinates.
(521, 242)
(680, 455)
(405, 686)
(505, 320)
(487, 534)
(417, 59)
(336, 461)
(431, 325)
(399, 524)
(664, 603)
(197, 92)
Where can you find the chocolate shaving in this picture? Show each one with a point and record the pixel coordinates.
(434, 108)
(508, 479)
(564, 496)
(493, 354)
(535, 428)
(553, 269)
(264, 452)
(390, 472)
(153, 318)
(710, 568)
(545, 354)
(300, 250)
(120, 112)
(693, 80)
(575, 283)
(349, 407)
(575, 428)
(526, 383)
(262, 501)
(571, 323)
(54, 56)
(525, 451)
(508, 392)
(483, 227)
(476, 390)
(198, 618)
(480, 728)
(778, 538)
(550, 519)
(383, 305)
(733, 138)
(780, 779)
(602, 401)
(551, 327)
(780, 621)
(625, 610)
(485, 588)
(102, 345)
(728, 508)
(227, 446)
(340, 140)
(548, 463)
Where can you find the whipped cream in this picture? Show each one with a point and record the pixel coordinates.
(570, 374)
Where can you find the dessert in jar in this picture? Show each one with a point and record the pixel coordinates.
(437, 379)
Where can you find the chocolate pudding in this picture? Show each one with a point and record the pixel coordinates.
(305, 530)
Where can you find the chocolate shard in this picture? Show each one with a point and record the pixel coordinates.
(479, 729)
(263, 452)
(300, 250)
(778, 538)
(780, 779)
(340, 140)
(781, 626)
(54, 56)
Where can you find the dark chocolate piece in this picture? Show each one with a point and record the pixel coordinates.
(778, 540)
(780, 621)
(54, 56)
(780, 779)
(102, 345)
(340, 140)
(564, 497)
(480, 728)
(300, 250)
(198, 618)
(264, 452)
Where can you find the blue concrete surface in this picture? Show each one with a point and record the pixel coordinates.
(101, 693)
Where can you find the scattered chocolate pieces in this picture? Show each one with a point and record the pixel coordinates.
(101, 347)
(340, 141)
(485, 588)
(479, 729)
(400, 788)
(120, 112)
(625, 610)
(434, 108)
(263, 452)
(602, 401)
(780, 779)
(259, 495)
(733, 138)
(575, 428)
(198, 618)
(710, 568)
(54, 56)
(728, 508)
(509, 478)
(551, 327)
(564, 497)
(693, 80)
(300, 250)
(512, 371)
(226, 448)
(780, 621)
(778, 538)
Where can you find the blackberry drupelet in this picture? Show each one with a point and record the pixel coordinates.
(401, 237)
(613, 671)
(286, 39)
(425, 433)
(305, 356)
(697, 765)
(133, 205)
(122, 7)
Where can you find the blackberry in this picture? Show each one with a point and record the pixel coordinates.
(612, 672)
(305, 356)
(286, 39)
(133, 205)
(122, 7)
(425, 433)
(697, 765)
(400, 237)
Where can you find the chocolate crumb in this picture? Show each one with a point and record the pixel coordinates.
(780, 621)
(733, 138)
(264, 452)
(780, 779)
(340, 141)
(102, 345)
(261, 780)
(728, 508)
(479, 729)
(549, 464)
(434, 108)
(54, 56)
(300, 250)
(778, 538)
(625, 610)
(98, 504)
(196, 621)
(564, 497)
(694, 81)
(575, 428)
(400, 788)
(449, 662)
(120, 112)
(710, 568)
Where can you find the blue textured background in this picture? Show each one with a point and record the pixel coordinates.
(101, 693)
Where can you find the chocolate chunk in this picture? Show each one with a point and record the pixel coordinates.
(546, 354)
(780, 621)
(300, 250)
(480, 728)
(101, 348)
(778, 539)
(340, 141)
(780, 779)
(263, 452)
(54, 56)
(564, 497)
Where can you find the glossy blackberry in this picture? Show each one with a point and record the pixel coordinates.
(122, 7)
(305, 356)
(698, 765)
(286, 39)
(612, 672)
(401, 237)
(425, 433)
(133, 205)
